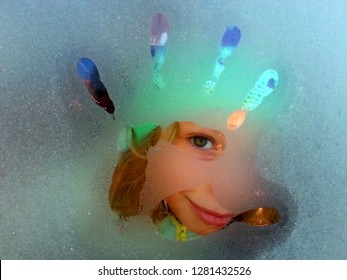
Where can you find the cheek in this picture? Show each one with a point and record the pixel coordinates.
(171, 171)
(174, 201)
(182, 144)
(178, 205)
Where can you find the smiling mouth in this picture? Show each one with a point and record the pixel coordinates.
(211, 217)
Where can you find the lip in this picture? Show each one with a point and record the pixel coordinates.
(211, 217)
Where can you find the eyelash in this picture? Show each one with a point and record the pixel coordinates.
(190, 139)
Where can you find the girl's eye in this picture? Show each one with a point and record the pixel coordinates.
(201, 142)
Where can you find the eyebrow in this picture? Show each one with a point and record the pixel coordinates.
(209, 130)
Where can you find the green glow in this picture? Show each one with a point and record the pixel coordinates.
(185, 73)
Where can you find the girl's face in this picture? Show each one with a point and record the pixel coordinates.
(197, 208)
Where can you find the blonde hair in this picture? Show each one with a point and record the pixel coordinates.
(129, 175)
